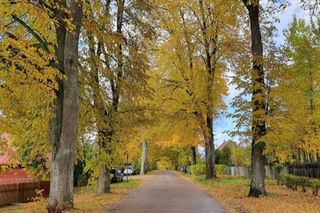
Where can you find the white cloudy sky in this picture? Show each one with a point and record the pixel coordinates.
(223, 124)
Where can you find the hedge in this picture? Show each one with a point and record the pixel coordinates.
(200, 169)
(221, 169)
(292, 182)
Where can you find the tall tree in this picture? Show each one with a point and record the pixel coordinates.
(211, 46)
(198, 32)
(27, 81)
(63, 20)
(257, 186)
(114, 70)
(294, 125)
(64, 123)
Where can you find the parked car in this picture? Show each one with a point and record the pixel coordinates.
(128, 170)
(116, 176)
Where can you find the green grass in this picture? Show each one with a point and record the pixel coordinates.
(130, 184)
(127, 185)
(226, 180)
(221, 181)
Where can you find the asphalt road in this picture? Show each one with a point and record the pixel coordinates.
(166, 192)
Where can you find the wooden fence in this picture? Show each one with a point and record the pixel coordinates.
(270, 172)
(308, 170)
(22, 192)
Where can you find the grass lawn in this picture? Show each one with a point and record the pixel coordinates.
(85, 199)
(232, 193)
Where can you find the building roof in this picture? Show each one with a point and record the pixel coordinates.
(226, 144)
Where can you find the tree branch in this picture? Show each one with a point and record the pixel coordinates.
(42, 41)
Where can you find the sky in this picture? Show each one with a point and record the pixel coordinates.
(223, 124)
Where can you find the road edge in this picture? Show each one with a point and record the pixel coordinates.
(202, 188)
(146, 178)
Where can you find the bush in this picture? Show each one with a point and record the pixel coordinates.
(315, 185)
(221, 169)
(199, 169)
(292, 182)
(223, 157)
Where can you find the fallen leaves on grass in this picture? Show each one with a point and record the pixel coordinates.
(232, 193)
(85, 199)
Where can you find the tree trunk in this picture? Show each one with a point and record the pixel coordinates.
(257, 186)
(104, 128)
(64, 124)
(210, 48)
(194, 155)
(104, 180)
(101, 115)
(209, 150)
(104, 169)
(104, 175)
(143, 167)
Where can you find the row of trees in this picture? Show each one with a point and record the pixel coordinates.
(105, 75)
(77, 70)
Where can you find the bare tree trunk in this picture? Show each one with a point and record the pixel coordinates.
(143, 167)
(64, 124)
(104, 181)
(194, 155)
(104, 170)
(209, 151)
(257, 186)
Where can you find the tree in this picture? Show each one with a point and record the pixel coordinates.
(115, 64)
(65, 18)
(294, 125)
(27, 79)
(64, 123)
(312, 6)
(240, 156)
(224, 156)
(143, 167)
(198, 36)
(257, 186)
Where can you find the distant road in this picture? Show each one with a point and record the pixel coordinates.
(166, 192)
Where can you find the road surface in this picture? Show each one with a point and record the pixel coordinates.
(166, 192)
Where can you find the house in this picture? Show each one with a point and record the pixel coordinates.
(226, 144)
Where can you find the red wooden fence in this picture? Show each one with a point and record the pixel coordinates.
(22, 192)
(16, 186)
(15, 175)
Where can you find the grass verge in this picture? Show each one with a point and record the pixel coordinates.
(232, 193)
(85, 199)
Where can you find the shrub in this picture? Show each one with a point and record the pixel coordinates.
(199, 169)
(315, 185)
(292, 182)
(221, 169)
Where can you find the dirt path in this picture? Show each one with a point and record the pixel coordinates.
(166, 192)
